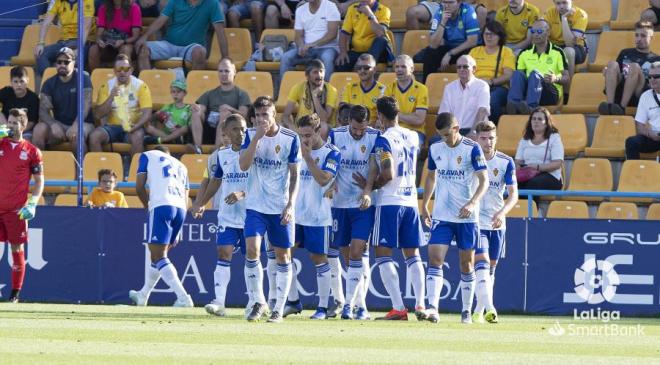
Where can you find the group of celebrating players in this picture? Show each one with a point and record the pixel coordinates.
(340, 195)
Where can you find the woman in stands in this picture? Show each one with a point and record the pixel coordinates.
(119, 25)
(540, 153)
(495, 65)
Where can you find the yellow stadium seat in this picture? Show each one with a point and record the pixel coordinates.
(95, 161)
(429, 127)
(340, 79)
(59, 165)
(99, 77)
(25, 56)
(616, 210)
(425, 173)
(520, 209)
(256, 83)
(132, 174)
(611, 43)
(5, 78)
(398, 9)
(609, 139)
(386, 78)
(67, 200)
(50, 72)
(436, 83)
(639, 176)
(650, 155)
(199, 82)
(196, 165)
(628, 14)
(413, 42)
(510, 130)
(133, 201)
(159, 85)
(289, 79)
(239, 44)
(599, 12)
(653, 212)
(419, 205)
(573, 132)
(290, 37)
(586, 93)
(544, 5)
(568, 209)
(590, 174)
(493, 5)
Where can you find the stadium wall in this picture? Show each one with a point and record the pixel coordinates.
(81, 255)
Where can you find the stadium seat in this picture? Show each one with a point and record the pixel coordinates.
(67, 200)
(398, 9)
(196, 165)
(609, 138)
(274, 66)
(5, 78)
(133, 201)
(59, 165)
(413, 42)
(289, 79)
(429, 127)
(240, 48)
(493, 5)
(586, 93)
(95, 161)
(639, 176)
(159, 85)
(99, 77)
(628, 14)
(654, 212)
(616, 210)
(386, 78)
(611, 43)
(568, 209)
(200, 81)
(132, 174)
(436, 83)
(599, 12)
(50, 72)
(520, 209)
(590, 174)
(510, 130)
(25, 56)
(573, 132)
(255, 83)
(340, 79)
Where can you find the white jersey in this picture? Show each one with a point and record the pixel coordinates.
(355, 156)
(455, 180)
(167, 178)
(212, 164)
(312, 208)
(233, 180)
(403, 145)
(268, 180)
(501, 173)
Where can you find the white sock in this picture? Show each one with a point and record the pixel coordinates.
(153, 275)
(434, 284)
(221, 277)
(336, 288)
(254, 277)
(364, 284)
(271, 271)
(415, 271)
(484, 289)
(323, 284)
(353, 280)
(390, 278)
(294, 295)
(467, 290)
(492, 277)
(169, 275)
(283, 281)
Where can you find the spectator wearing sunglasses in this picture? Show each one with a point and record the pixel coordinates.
(366, 91)
(647, 119)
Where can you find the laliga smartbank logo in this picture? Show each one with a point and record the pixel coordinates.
(596, 322)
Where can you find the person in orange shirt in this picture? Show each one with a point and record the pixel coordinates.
(105, 196)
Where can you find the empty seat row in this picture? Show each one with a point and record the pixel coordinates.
(580, 210)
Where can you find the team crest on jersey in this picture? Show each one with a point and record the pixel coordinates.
(496, 172)
(23, 155)
(459, 159)
(363, 148)
(411, 99)
(277, 148)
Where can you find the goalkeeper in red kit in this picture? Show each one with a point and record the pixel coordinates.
(19, 161)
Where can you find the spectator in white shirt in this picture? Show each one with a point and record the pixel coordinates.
(467, 98)
(648, 119)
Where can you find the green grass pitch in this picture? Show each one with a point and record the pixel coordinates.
(95, 334)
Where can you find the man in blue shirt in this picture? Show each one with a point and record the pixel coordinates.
(185, 36)
(454, 31)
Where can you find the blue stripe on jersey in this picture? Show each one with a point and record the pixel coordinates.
(218, 168)
(142, 164)
(246, 140)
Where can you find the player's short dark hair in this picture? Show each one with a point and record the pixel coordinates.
(18, 72)
(20, 114)
(263, 101)
(162, 148)
(232, 118)
(445, 120)
(644, 24)
(311, 120)
(359, 113)
(312, 64)
(103, 172)
(388, 106)
(344, 112)
(485, 126)
(496, 28)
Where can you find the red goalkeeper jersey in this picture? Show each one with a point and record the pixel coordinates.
(18, 161)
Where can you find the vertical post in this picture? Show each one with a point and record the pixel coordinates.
(81, 97)
(530, 212)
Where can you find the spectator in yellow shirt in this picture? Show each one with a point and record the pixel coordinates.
(367, 90)
(517, 17)
(412, 96)
(105, 196)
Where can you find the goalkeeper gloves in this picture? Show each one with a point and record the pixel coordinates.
(28, 211)
(5, 132)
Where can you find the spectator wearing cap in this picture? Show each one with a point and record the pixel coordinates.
(172, 122)
(185, 37)
(647, 119)
(66, 11)
(58, 105)
(123, 106)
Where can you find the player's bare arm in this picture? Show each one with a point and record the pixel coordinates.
(467, 210)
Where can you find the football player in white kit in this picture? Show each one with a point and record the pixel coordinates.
(166, 201)
(492, 219)
(397, 223)
(271, 155)
(457, 174)
(232, 183)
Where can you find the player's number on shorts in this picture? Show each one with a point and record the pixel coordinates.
(407, 166)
